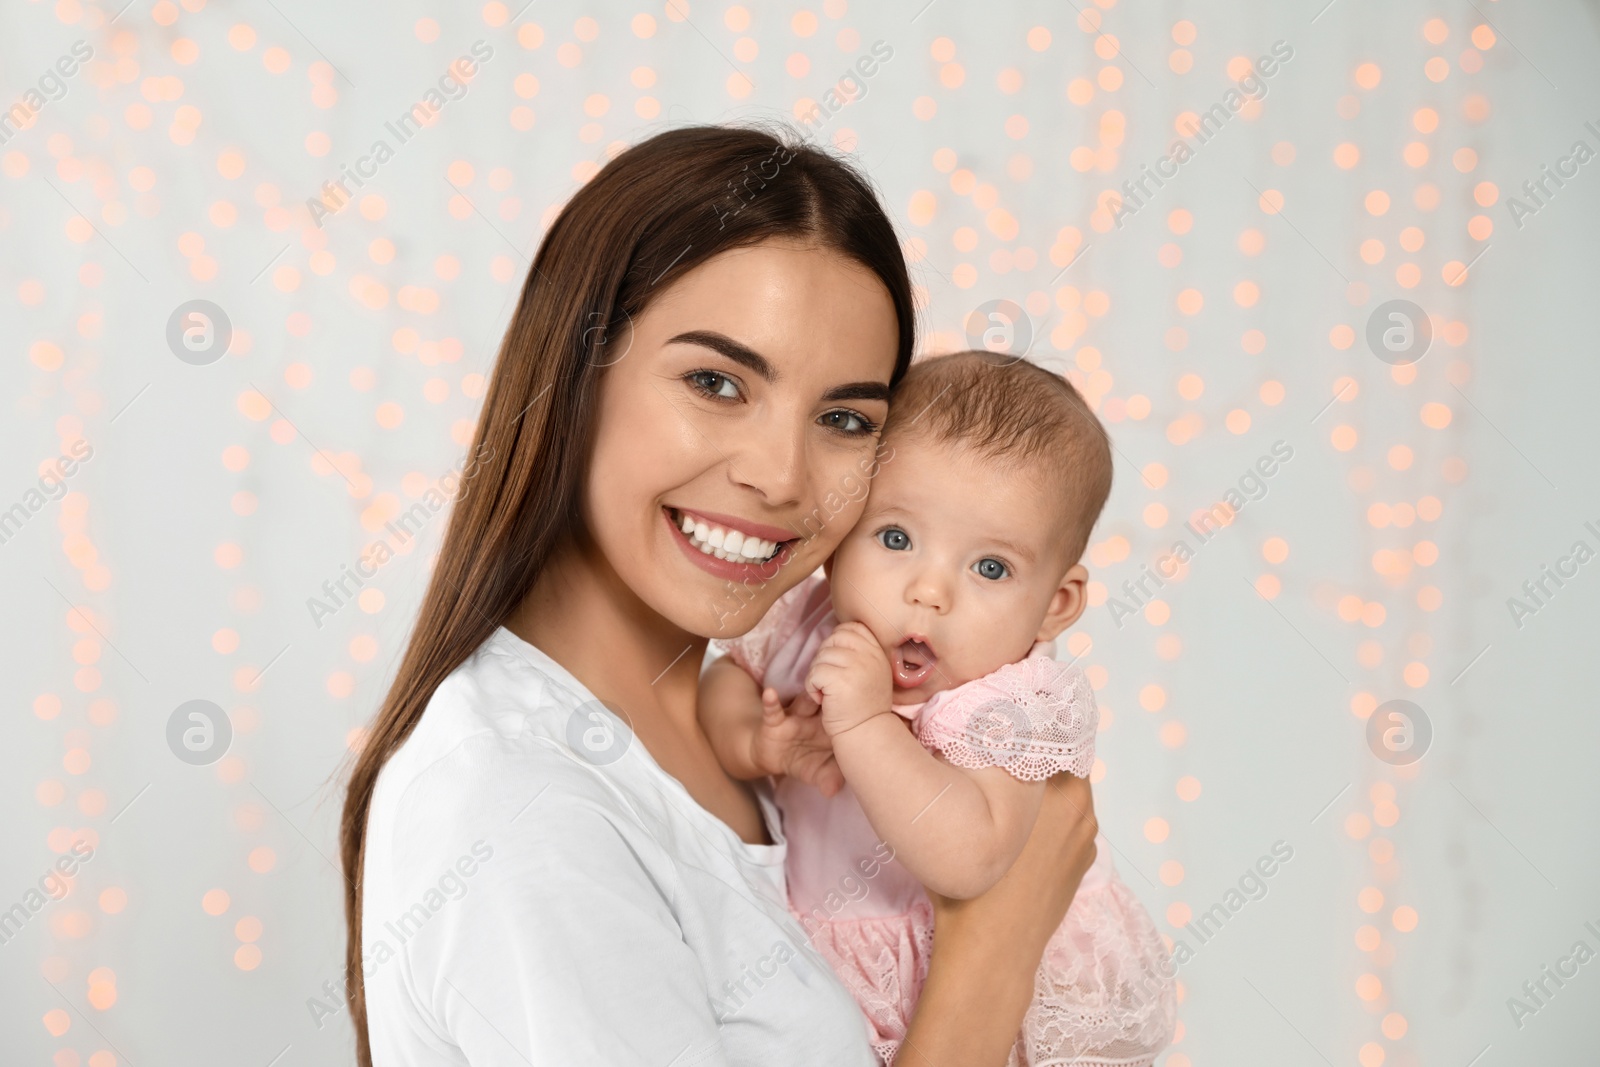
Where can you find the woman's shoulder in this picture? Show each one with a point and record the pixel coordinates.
(494, 734)
(499, 691)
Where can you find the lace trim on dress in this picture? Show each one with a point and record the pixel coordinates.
(1034, 718)
(883, 962)
(1104, 995)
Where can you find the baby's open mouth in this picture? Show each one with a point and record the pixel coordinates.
(913, 662)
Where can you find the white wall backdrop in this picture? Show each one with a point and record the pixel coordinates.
(168, 506)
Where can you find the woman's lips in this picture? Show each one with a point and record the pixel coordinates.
(775, 534)
(913, 661)
(728, 569)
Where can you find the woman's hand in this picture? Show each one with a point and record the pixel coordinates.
(791, 741)
(986, 950)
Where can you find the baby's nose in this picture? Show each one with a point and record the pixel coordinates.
(929, 590)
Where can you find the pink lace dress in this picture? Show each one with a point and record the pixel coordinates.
(1103, 996)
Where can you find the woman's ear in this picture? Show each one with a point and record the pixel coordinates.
(1066, 603)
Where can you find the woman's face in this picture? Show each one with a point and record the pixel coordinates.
(744, 404)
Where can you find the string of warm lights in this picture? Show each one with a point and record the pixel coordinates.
(1407, 239)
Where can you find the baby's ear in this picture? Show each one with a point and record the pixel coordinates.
(1066, 603)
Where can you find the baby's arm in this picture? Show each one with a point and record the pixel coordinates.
(753, 735)
(956, 830)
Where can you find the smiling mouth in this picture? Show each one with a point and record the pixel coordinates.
(913, 661)
(724, 543)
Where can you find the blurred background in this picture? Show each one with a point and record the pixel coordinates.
(1326, 270)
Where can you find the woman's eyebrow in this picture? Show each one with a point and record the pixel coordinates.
(858, 391)
(740, 354)
(760, 365)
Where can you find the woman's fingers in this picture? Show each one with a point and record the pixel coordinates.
(820, 769)
(771, 707)
(1026, 906)
(1067, 828)
(804, 707)
(830, 779)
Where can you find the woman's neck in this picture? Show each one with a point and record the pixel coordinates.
(582, 615)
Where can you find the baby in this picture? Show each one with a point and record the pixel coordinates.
(927, 644)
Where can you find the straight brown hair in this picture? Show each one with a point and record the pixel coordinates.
(649, 216)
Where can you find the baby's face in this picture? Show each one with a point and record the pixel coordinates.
(952, 566)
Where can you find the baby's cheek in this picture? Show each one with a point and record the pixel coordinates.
(853, 584)
(983, 649)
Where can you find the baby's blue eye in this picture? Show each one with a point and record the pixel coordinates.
(991, 568)
(894, 540)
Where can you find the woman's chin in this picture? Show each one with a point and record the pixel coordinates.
(704, 603)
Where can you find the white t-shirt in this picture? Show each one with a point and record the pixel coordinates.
(537, 890)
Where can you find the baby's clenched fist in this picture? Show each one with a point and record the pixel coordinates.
(850, 677)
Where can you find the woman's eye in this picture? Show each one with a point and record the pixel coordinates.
(849, 422)
(991, 568)
(712, 383)
(894, 540)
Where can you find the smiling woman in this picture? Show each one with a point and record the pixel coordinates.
(679, 388)
(744, 425)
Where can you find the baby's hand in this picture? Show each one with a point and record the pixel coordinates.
(850, 678)
(792, 742)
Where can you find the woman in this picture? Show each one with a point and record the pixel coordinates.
(546, 862)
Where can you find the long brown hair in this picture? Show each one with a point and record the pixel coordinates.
(655, 212)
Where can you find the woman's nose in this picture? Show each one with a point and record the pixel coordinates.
(770, 457)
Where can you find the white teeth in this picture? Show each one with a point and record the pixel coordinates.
(736, 546)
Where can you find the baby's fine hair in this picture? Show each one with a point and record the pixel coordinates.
(1008, 409)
